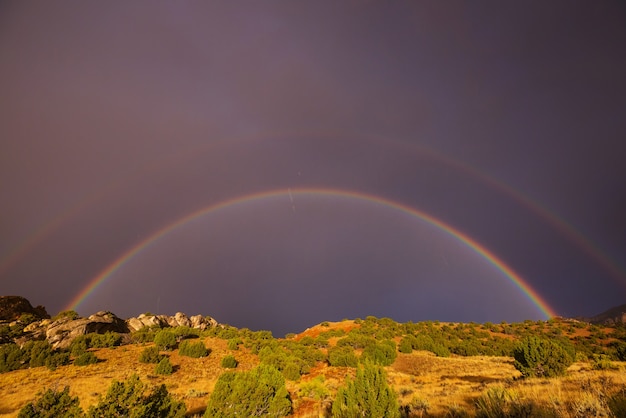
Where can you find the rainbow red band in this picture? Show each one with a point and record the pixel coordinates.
(515, 278)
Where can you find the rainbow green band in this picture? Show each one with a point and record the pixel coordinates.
(515, 278)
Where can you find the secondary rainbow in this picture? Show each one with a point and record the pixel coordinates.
(589, 247)
(515, 278)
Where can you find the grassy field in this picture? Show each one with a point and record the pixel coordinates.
(443, 386)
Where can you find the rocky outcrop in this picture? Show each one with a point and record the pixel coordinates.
(62, 332)
(13, 307)
(146, 321)
(202, 322)
(177, 320)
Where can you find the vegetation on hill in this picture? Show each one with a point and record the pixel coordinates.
(334, 369)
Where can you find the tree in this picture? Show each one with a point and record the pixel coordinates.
(537, 357)
(129, 399)
(259, 392)
(367, 395)
(53, 404)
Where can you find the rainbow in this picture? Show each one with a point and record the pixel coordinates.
(562, 226)
(515, 278)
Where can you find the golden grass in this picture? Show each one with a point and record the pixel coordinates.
(442, 382)
(191, 376)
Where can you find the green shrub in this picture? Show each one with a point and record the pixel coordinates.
(315, 389)
(603, 362)
(259, 392)
(164, 367)
(79, 346)
(342, 357)
(233, 343)
(536, 357)
(620, 351)
(32, 354)
(193, 349)
(367, 395)
(53, 404)
(440, 350)
(131, 399)
(66, 314)
(86, 358)
(108, 339)
(57, 359)
(406, 344)
(151, 355)
(382, 354)
(229, 362)
(292, 371)
(145, 335)
(165, 340)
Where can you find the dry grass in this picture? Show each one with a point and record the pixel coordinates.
(191, 377)
(443, 383)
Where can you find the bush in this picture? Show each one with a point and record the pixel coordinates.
(342, 357)
(193, 349)
(66, 314)
(536, 357)
(233, 344)
(129, 399)
(368, 395)
(259, 392)
(165, 340)
(53, 404)
(164, 367)
(151, 355)
(145, 335)
(382, 354)
(57, 359)
(315, 389)
(292, 371)
(85, 359)
(229, 362)
(108, 339)
(32, 354)
(406, 344)
(603, 362)
(79, 345)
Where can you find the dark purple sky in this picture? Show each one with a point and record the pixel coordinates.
(506, 121)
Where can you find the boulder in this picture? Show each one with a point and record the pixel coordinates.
(182, 319)
(178, 320)
(201, 322)
(143, 321)
(62, 332)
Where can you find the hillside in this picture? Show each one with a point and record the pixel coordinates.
(435, 369)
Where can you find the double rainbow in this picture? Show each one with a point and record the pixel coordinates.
(125, 257)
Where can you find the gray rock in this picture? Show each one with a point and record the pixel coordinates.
(62, 332)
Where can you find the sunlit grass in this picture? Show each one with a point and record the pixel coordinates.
(440, 385)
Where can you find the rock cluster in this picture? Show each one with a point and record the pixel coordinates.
(178, 320)
(62, 331)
